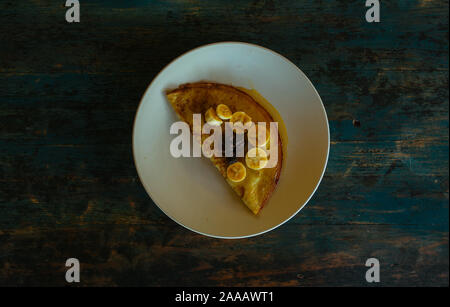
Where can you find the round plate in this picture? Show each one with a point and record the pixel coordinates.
(190, 190)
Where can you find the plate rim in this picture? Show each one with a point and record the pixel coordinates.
(231, 43)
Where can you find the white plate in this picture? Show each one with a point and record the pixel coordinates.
(190, 190)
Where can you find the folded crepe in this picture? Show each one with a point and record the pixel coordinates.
(197, 98)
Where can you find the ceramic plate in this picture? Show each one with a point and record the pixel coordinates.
(190, 190)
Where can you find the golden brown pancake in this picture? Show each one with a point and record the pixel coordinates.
(188, 99)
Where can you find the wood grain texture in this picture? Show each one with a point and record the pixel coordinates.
(69, 92)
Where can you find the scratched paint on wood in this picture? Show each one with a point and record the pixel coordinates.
(69, 92)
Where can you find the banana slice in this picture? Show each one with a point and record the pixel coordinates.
(256, 158)
(236, 172)
(223, 111)
(243, 118)
(240, 117)
(212, 118)
(254, 139)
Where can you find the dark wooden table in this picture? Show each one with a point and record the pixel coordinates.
(69, 188)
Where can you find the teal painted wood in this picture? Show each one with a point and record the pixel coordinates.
(69, 92)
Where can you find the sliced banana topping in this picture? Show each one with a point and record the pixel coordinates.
(212, 118)
(240, 117)
(243, 118)
(256, 158)
(260, 134)
(223, 111)
(236, 172)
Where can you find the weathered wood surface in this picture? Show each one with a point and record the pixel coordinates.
(69, 92)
